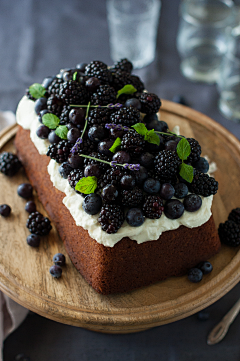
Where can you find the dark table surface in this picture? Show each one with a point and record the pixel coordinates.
(37, 38)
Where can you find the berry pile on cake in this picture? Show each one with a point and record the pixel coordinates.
(121, 167)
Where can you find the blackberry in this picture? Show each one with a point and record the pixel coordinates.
(167, 164)
(87, 147)
(113, 176)
(72, 92)
(38, 224)
(55, 105)
(153, 207)
(126, 116)
(234, 216)
(74, 177)
(28, 94)
(104, 95)
(123, 65)
(64, 116)
(9, 164)
(119, 79)
(203, 184)
(111, 218)
(98, 116)
(137, 83)
(229, 233)
(195, 150)
(59, 151)
(103, 166)
(132, 197)
(54, 87)
(133, 143)
(98, 69)
(150, 103)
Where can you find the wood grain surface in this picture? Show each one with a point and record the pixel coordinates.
(24, 271)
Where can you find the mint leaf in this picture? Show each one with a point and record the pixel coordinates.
(183, 149)
(75, 76)
(37, 90)
(50, 120)
(152, 137)
(140, 128)
(115, 145)
(186, 172)
(62, 131)
(127, 89)
(86, 185)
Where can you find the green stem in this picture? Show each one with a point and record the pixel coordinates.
(97, 159)
(86, 120)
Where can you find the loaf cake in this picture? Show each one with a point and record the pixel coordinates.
(131, 200)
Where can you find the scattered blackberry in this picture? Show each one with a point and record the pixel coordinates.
(195, 150)
(137, 83)
(59, 151)
(64, 117)
(123, 65)
(55, 105)
(99, 70)
(126, 116)
(9, 164)
(150, 103)
(132, 197)
(38, 224)
(153, 207)
(229, 233)
(104, 166)
(87, 147)
(113, 176)
(235, 216)
(98, 116)
(119, 79)
(133, 143)
(74, 177)
(104, 95)
(203, 184)
(111, 218)
(28, 94)
(73, 92)
(167, 164)
(54, 87)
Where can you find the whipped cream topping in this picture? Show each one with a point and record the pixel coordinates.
(150, 230)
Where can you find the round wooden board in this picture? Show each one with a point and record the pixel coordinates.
(24, 272)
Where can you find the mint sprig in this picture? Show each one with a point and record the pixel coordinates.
(75, 76)
(50, 120)
(37, 90)
(183, 149)
(127, 89)
(140, 128)
(62, 131)
(115, 145)
(186, 172)
(149, 135)
(86, 185)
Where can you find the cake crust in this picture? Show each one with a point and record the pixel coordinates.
(127, 265)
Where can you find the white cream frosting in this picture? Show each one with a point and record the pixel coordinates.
(151, 229)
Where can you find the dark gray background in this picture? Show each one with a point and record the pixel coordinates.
(37, 38)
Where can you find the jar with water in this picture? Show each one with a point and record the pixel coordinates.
(204, 37)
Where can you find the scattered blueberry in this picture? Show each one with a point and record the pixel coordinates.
(96, 133)
(41, 114)
(92, 84)
(149, 117)
(205, 267)
(40, 104)
(109, 193)
(92, 170)
(173, 209)
(5, 210)
(192, 202)
(167, 191)
(104, 146)
(81, 67)
(181, 190)
(141, 175)
(73, 134)
(121, 157)
(171, 145)
(151, 186)
(64, 169)
(59, 259)
(92, 203)
(55, 271)
(53, 137)
(47, 81)
(115, 133)
(25, 190)
(75, 161)
(133, 102)
(30, 207)
(203, 315)
(135, 217)
(33, 240)
(146, 160)
(77, 116)
(158, 125)
(42, 131)
(127, 182)
(202, 165)
(179, 99)
(195, 275)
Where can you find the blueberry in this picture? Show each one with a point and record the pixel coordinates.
(141, 175)
(92, 84)
(73, 134)
(205, 267)
(149, 117)
(33, 240)
(203, 315)
(25, 190)
(192, 202)
(59, 259)
(92, 170)
(55, 271)
(115, 133)
(154, 147)
(158, 125)
(96, 133)
(40, 104)
(77, 116)
(133, 102)
(42, 113)
(127, 182)
(146, 160)
(179, 99)
(81, 67)
(173, 209)
(202, 165)
(47, 81)
(92, 203)
(104, 146)
(42, 131)
(195, 275)
(121, 157)
(151, 186)
(167, 191)
(109, 193)
(171, 145)
(5, 210)
(75, 160)
(53, 137)
(65, 169)
(135, 217)
(181, 190)
(30, 207)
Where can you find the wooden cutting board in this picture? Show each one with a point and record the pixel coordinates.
(24, 271)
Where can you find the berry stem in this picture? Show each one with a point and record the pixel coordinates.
(169, 132)
(113, 163)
